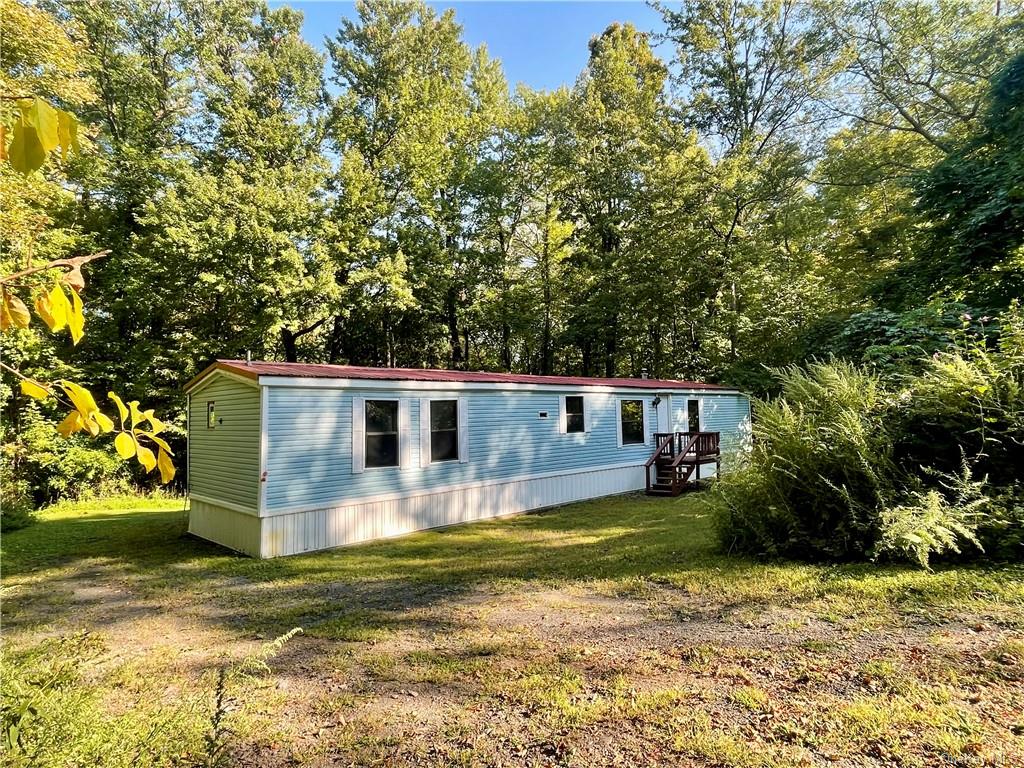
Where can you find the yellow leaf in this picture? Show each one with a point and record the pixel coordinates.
(158, 440)
(60, 307)
(41, 116)
(92, 427)
(72, 423)
(166, 467)
(121, 409)
(67, 133)
(3, 142)
(105, 422)
(76, 318)
(26, 153)
(17, 309)
(34, 389)
(146, 457)
(158, 426)
(81, 398)
(125, 445)
(6, 321)
(43, 309)
(137, 416)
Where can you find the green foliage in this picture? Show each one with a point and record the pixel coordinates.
(820, 471)
(893, 342)
(16, 510)
(752, 203)
(969, 400)
(49, 467)
(846, 464)
(53, 715)
(934, 522)
(974, 196)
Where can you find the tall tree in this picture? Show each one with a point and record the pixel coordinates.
(754, 73)
(615, 117)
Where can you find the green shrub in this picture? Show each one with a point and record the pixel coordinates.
(968, 401)
(933, 522)
(48, 467)
(820, 469)
(16, 509)
(848, 465)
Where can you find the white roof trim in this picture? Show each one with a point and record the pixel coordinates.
(220, 372)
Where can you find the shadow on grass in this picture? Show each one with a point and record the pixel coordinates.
(626, 540)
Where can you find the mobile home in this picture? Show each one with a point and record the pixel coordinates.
(286, 458)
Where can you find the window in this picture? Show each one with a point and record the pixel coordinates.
(211, 414)
(382, 433)
(631, 415)
(574, 413)
(444, 430)
(693, 415)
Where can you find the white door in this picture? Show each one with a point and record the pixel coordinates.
(664, 413)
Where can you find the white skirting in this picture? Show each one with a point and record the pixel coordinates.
(306, 531)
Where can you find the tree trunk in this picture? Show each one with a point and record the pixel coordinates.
(288, 342)
(454, 337)
(336, 342)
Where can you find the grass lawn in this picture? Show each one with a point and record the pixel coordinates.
(603, 633)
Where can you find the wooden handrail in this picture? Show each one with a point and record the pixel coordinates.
(658, 450)
(686, 450)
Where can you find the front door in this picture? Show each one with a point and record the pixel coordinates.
(664, 413)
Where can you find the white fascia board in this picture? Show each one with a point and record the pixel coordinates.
(481, 386)
(219, 372)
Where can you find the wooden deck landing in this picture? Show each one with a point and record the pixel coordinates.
(677, 459)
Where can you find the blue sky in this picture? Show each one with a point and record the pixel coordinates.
(541, 44)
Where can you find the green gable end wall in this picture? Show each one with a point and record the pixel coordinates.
(224, 462)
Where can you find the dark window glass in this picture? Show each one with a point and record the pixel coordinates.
(381, 433)
(632, 421)
(574, 414)
(693, 415)
(444, 430)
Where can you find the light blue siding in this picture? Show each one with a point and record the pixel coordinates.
(309, 448)
(728, 415)
(224, 461)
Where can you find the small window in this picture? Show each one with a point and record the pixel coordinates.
(631, 412)
(211, 414)
(693, 415)
(444, 430)
(381, 433)
(574, 413)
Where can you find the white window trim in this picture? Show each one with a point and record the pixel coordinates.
(403, 439)
(618, 421)
(462, 450)
(563, 414)
(463, 425)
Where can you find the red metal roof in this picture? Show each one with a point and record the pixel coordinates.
(256, 369)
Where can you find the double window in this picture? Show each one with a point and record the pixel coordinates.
(631, 422)
(381, 433)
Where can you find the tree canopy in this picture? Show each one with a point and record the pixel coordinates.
(797, 179)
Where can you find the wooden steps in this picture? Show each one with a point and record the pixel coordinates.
(676, 461)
